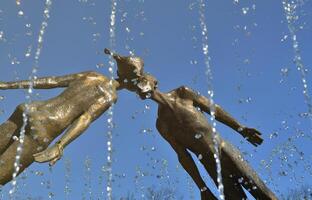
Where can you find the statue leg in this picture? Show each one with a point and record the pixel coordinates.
(7, 159)
(10, 128)
(245, 175)
(232, 190)
(7, 131)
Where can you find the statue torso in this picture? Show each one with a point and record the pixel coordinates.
(179, 118)
(56, 114)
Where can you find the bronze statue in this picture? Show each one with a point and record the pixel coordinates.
(90, 94)
(182, 123)
(86, 97)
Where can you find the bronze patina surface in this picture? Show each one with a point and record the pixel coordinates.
(86, 96)
(180, 121)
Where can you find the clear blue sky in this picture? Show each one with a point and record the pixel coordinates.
(248, 57)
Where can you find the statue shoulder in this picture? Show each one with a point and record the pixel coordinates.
(96, 76)
(185, 92)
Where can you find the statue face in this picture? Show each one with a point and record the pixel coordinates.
(129, 67)
(146, 86)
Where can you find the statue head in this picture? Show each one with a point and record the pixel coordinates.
(146, 85)
(128, 67)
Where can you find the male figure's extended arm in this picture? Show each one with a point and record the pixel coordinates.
(55, 152)
(43, 83)
(251, 134)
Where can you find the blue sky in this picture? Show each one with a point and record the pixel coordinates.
(254, 79)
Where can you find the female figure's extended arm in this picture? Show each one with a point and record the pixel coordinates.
(44, 83)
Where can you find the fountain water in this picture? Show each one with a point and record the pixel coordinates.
(87, 193)
(290, 9)
(32, 77)
(208, 73)
(110, 114)
(68, 166)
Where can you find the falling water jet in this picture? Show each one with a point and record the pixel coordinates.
(88, 180)
(32, 78)
(208, 73)
(110, 114)
(291, 18)
(68, 166)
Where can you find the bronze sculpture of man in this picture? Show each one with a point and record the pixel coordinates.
(86, 96)
(182, 123)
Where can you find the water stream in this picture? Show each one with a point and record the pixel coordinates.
(32, 78)
(290, 9)
(208, 72)
(68, 174)
(112, 36)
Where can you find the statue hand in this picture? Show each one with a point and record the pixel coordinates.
(51, 154)
(252, 135)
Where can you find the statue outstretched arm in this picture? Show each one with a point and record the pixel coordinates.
(55, 152)
(251, 134)
(43, 83)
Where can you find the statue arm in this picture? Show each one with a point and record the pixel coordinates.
(55, 152)
(205, 104)
(43, 83)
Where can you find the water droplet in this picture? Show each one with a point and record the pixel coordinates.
(100, 65)
(248, 100)
(245, 10)
(14, 61)
(240, 129)
(147, 107)
(15, 138)
(304, 115)
(273, 135)
(28, 51)
(148, 95)
(284, 38)
(1, 35)
(51, 195)
(198, 135)
(20, 13)
(193, 62)
(240, 180)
